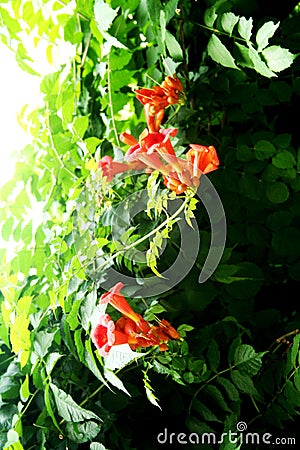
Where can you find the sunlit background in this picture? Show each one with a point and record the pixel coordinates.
(17, 88)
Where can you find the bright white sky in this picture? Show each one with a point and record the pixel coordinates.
(17, 88)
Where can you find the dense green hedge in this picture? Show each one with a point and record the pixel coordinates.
(238, 357)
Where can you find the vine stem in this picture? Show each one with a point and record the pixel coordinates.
(110, 101)
(214, 30)
(133, 244)
(206, 383)
(62, 164)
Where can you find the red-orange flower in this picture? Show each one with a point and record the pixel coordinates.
(172, 182)
(203, 159)
(116, 299)
(110, 168)
(159, 97)
(168, 329)
(104, 335)
(155, 100)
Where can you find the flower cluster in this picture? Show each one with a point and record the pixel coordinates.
(153, 149)
(130, 329)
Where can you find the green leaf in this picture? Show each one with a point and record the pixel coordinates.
(247, 361)
(87, 307)
(217, 397)
(68, 408)
(80, 125)
(278, 58)
(284, 160)
(104, 15)
(213, 355)
(265, 33)
(119, 356)
(20, 338)
(219, 53)
(245, 28)
(228, 21)
(49, 406)
(173, 47)
(91, 362)
(24, 390)
(243, 382)
(277, 192)
(210, 16)
(149, 391)
(170, 9)
(51, 360)
(230, 389)
(292, 355)
(259, 65)
(264, 149)
(114, 380)
(82, 432)
(42, 342)
(97, 446)
(204, 411)
(154, 7)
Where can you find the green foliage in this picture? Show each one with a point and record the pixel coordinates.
(64, 227)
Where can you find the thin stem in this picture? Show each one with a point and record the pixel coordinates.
(221, 32)
(62, 164)
(85, 50)
(132, 245)
(110, 101)
(206, 383)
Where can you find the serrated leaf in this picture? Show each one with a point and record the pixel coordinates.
(20, 338)
(42, 342)
(51, 360)
(264, 33)
(119, 356)
(91, 362)
(245, 28)
(219, 53)
(230, 389)
(259, 65)
(97, 446)
(87, 307)
(82, 432)
(284, 160)
(104, 15)
(228, 22)
(210, 16)
(204, 411)
(247, 361)
(68, 408)
(114, 380)
(278, 58)
(213, 355)
(243, 382)
(264, 149)
(217, 397)
(277, 192)
(149, 391)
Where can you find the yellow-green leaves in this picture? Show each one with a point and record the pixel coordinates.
(20, 338)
